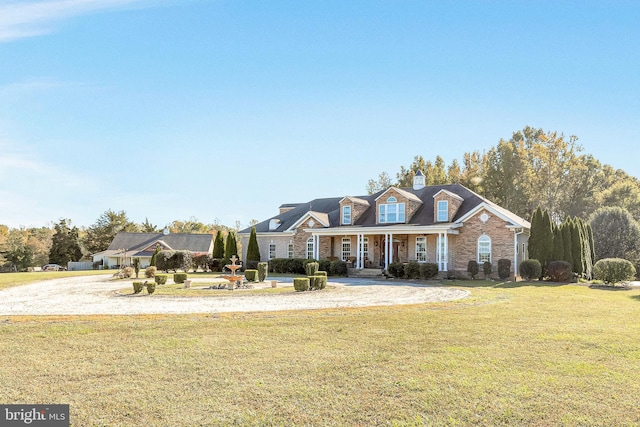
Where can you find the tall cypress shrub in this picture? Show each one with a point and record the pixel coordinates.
(218, 246)
(253, 251)
(231, 246)
(546, 241)
(566, 238)
(558, 244)
(533, 246)
(576, 248)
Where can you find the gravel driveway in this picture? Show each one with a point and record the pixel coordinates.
(96, 295)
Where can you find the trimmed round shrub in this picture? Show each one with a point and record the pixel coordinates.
(473, 269)
(179, 277)
(486, 269)
(614, 270)
(301, 284)
(151, 287)
(251, 275)
(412, 270)
(263, 270)
(396, 269)
(137, 287)
(504, 268)
(560, 271)
(530, 269)
(160, 279)
(150, 272)
(338, 268)
(428, 270)
(317, 282)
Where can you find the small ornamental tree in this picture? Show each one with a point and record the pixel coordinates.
(253, 251)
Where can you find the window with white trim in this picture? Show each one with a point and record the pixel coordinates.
(484, 249)
(346, 215)
(391, 212)
(310, 248)
(443, 211)
(421, 249)
(365, 246)
(272, 250)
(346, 248)
(290, 250)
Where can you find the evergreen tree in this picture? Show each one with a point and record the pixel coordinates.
(558, 244)
(152, 263)
(577, 248)
(546, 241)
(586, 245)
(566, 238)
(231, 246)
(253, 251)
(65, 244)
(533, 245)
(218, 245)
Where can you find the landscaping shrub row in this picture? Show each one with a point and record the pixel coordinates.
(298, 266)
(413, 270)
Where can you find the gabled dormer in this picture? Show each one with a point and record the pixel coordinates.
(445, 205)
(352, 208)
(396, 206)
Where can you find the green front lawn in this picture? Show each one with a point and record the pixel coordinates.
(511, 354)
(8, 280)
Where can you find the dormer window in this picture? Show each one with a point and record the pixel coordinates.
(391, 212)
(443, 211)
(346, 215)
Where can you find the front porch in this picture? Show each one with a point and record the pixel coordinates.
(372, 250)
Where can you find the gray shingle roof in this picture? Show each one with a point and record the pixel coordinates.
(423, 216)
(178, 241)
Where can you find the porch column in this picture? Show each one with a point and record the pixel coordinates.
(446, 252)
(316, 247)
(390, 248)
(361, 251)
(386, 251)
(358, 250)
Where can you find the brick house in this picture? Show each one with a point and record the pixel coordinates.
(444, 224)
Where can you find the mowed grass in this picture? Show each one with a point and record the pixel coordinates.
(8, 280)
(511, 354)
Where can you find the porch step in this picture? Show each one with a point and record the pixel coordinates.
(365, 272)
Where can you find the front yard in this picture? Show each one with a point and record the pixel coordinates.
(511, 354)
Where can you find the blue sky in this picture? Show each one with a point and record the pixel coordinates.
(223, 110)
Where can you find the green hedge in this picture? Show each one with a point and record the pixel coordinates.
(317, 282)
(179, 277)
(251, 275)
(504, 268)
(298, 266)
(614, 270)
(428, 270)
(161, 279)
(137, 287)
(530, 269)
(560, 271)
(301, 284)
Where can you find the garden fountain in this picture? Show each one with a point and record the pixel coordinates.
(233, 278)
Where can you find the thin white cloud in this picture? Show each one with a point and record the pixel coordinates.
(20, 19)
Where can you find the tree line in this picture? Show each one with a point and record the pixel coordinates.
(21, 248)
(533, 168)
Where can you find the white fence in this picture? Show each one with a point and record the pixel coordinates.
(78, 266)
